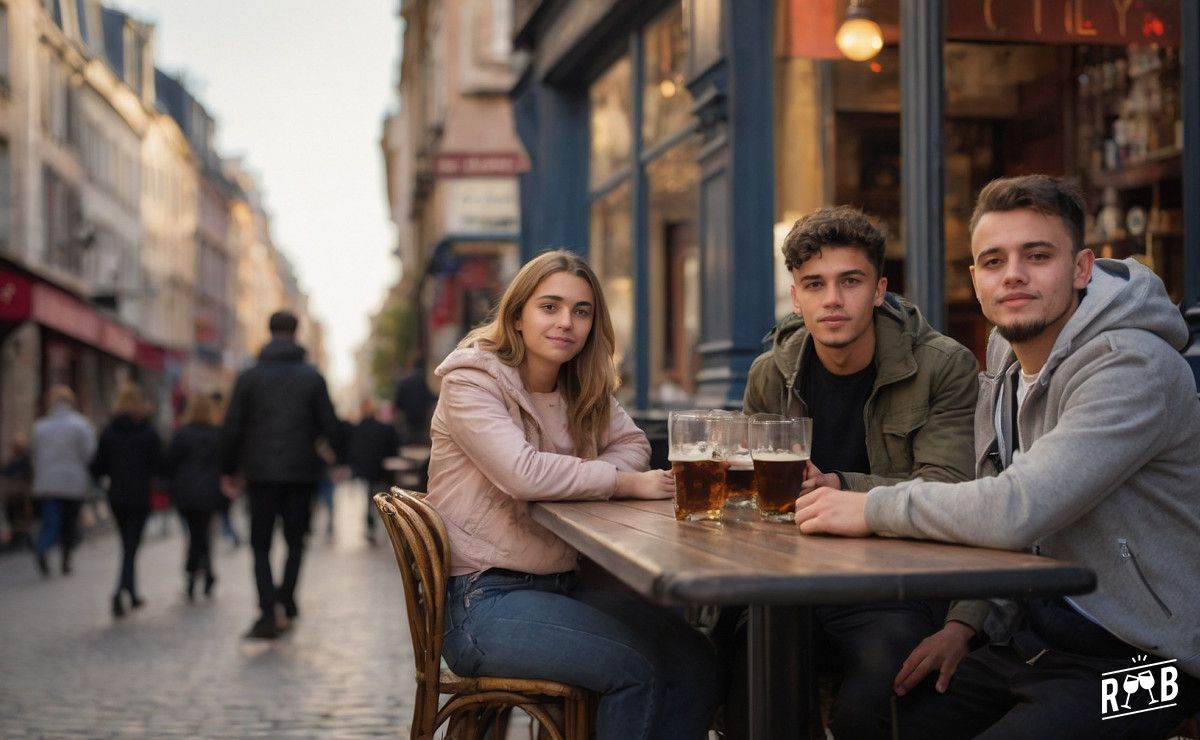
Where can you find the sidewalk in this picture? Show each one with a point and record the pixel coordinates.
(176, 669)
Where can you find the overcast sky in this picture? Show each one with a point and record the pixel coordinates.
(300, 88)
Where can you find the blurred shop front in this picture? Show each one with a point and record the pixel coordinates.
(49, 336)
(476, 253)
(675, 144)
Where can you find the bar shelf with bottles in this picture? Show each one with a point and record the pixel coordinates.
(1129, 145)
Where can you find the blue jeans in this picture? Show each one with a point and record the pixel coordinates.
(60, 523)
(656, 676)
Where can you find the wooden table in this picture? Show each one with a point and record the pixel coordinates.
(781, 574)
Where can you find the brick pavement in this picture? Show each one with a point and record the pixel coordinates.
(68, 669)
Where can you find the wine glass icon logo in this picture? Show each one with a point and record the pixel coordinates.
(1131, 685)
(1146, 680)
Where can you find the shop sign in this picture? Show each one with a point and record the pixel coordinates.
(117, 340)
(22, 298)
(1065, 21)
(479, 164)
(481, 206)
(811, 28)
(14, 296)
(60, 311)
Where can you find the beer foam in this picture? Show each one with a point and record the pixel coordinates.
(689, 456)
(780, 456)
(741, 462)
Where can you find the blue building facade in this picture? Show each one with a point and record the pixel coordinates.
(675, 142)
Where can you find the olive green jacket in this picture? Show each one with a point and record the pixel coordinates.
(920, 414)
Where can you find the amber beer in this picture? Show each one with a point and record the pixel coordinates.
(739, 482)
(779, 476)
(699, 487)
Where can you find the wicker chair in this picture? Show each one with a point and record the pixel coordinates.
(422, 551)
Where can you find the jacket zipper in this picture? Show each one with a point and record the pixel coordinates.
(1127, 554)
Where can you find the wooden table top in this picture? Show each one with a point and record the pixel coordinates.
(744, 560)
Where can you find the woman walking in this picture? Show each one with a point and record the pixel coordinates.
(526, 413)
(195, 485)
(129, 454)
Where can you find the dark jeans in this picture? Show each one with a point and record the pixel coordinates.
(373, 487)
(291, 502)
(1047, 682)
(865, 644)
(131, 521)
(60, 523)
(199, 527)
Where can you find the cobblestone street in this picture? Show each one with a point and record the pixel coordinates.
(177, 669)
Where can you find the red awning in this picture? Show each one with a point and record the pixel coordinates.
(26, 298)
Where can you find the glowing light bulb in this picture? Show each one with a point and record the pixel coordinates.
(859, 38)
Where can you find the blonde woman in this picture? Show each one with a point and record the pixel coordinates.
(526, 413)
(129, 456)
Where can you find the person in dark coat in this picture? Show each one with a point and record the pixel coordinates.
(369, 443)
(414, 404)
(279, 409)
(129, 455)
(195, 485)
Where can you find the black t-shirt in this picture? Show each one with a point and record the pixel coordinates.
(836, 404)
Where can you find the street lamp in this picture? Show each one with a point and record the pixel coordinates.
(859, 37)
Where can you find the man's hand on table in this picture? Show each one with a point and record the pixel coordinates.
(814, 478)
(942, 651)
(830, 511)
(652, 484)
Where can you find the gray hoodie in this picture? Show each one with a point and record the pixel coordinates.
(1110, 474)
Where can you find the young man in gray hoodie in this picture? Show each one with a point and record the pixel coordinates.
(1087, 438)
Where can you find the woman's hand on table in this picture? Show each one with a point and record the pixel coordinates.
(830, 511)
(652, 484)
(814, 479)
(942, 651)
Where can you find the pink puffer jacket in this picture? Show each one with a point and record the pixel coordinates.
(492, 456)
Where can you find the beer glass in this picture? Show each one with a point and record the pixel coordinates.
(779, 447)
(739, 477)
(694, 438)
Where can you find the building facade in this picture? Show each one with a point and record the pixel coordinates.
(675, 143)
(452, 159)
(118, 237)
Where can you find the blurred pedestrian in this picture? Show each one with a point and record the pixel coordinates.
(130, 457)
(369, 443)
(279, 409)
(414, 404)
(17, 502)
(228, 530)
(63, 443)
(194, 475)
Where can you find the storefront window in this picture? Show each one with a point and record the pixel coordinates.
(667, 103)
(675, 267)
(611, 122)
(645, 248)
(611, 251)
(1116, 131)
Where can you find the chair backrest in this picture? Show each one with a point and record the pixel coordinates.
(422, 550)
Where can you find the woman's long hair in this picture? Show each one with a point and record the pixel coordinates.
(199, 410)
(131, 402)
(589, 379)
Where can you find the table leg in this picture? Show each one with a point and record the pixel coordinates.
(782, 684)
